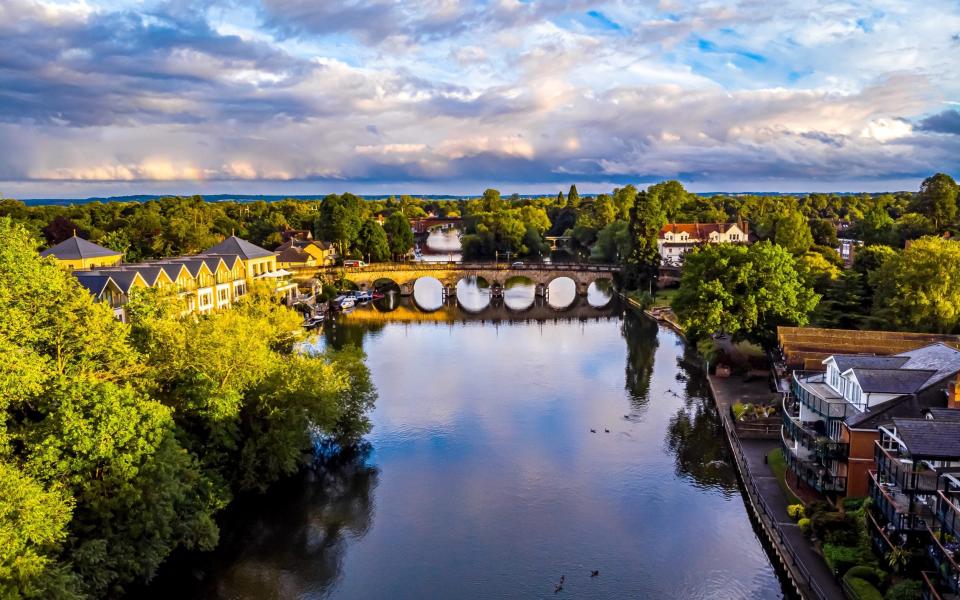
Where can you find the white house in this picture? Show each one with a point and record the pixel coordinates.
(676, 239)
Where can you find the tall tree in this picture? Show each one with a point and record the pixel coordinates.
(671, 196)
(937, 200)
(643, 264)
(744, 291)
(573, 197)
(339, 220)
(372, 241)
(919, 289)
(793, 233)
(399, 234)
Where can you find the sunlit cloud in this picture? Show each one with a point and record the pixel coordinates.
(436, 95)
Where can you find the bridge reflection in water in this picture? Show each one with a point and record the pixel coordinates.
(404, 309)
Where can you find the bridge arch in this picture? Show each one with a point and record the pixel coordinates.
(473, 293)
(600, 292)
(562, 292)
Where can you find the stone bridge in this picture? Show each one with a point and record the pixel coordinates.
(405, 275)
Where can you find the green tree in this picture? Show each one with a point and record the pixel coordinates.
(670, 195)
(744, 291)
(877, 226)
(613, 243)
(937, 200)
(844, 304)
(643, 264)
(793, 233)
(824, 232)
(399, 234)
(372, 241)
(339, 220)
(573, 197)
(919, 289)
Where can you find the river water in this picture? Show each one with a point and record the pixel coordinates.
(483, 478)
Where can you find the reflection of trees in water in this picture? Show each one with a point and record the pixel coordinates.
(289, 543)
(343, 333)
(641, 337)
(695, 434)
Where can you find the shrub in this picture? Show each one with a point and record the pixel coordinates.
(841, 559)
(908, 589)
(853, 504)
(804, 525)
(877, 577)
(863, 589)
(740, 410)
(848, 535)
(796, 511)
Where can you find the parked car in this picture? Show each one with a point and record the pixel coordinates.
(518, 263)
(354, 263)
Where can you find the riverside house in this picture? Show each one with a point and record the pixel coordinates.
(832, 418)
(77, 253)
(211, 280)
(676, 239)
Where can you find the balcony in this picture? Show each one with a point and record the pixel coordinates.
(807, 435)
(944, 556)
(811, 388)
(814, 474)
(911, 477)
(931, 591)
(904, 513)
(948, 512)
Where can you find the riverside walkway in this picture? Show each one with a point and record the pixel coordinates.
(807, 570)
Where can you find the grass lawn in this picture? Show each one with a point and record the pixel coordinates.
(779, 467)
(665, 297)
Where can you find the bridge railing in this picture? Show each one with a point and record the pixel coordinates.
(477, 266)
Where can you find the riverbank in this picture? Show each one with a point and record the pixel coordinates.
(809, 574)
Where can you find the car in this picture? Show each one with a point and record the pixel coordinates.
(354, 263)
(518, 263)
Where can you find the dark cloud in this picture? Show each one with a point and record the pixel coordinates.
(947, 121)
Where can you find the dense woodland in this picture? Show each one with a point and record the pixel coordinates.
(120, 443)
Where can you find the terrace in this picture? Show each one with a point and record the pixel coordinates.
(813, 391)
(903, 512)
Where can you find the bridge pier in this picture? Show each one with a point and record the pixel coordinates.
(582, 288)
(449, 291)
(543, 290)
(406, 289)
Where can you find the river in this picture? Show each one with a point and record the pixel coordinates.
(483, 478)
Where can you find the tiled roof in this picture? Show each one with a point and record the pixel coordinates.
(242, 248)
(930, 439)
(700, 231)
(76, 248)
(293, 255)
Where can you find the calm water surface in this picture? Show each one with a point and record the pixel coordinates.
(483, 479)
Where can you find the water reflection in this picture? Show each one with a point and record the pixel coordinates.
(289, 543)
(428, 293)
(441, 246)
(562, 292)
(473, 294)
(519, 293)
(489, 483)
(600, 292)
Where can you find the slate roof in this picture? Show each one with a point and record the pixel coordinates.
(940, 358)
(930, 439)
(77, 248)
(94, 282)
(150, 273)
(293, 255)
(240, 247)
(944, 414)
(892, 381)
(846, 362)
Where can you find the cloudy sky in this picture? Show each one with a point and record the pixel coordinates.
(440, 96)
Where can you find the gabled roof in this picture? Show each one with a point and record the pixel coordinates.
(125, 279)
(213, 262)
(193, 265)
(242, 248)
(96, 283)
(293, 255)
(77, 248)
(172, 269)
(150, 273)
(930, 439)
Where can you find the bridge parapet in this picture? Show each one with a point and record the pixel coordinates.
(449, 273)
